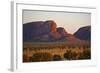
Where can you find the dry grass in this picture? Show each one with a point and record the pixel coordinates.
(75, 53)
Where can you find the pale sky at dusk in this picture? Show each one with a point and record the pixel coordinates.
(68, 20)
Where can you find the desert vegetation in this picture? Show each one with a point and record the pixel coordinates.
(41, 56)
(59, 53)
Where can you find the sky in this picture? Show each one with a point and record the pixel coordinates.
(70, 21)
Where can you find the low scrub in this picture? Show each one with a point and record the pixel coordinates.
(57, 58)
(41, 56)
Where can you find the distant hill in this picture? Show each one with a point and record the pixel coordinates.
(83, 33)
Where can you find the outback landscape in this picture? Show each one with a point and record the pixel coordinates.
(45, 41)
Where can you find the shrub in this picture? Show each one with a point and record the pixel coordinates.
(57, 58)
(74, 55)
(25, 58)
(41, 56)
(69, 55)
(86, 54)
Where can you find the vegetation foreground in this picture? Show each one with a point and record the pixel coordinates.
(40, 53)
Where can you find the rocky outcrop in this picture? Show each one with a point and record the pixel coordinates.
(47, 31)
(37, 31)
(62, 31)
(83, 33)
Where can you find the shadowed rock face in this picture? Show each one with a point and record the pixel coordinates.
(84, 33)
(62, 31)
(36, 28)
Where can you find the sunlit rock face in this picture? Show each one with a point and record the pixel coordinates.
(52, 25)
